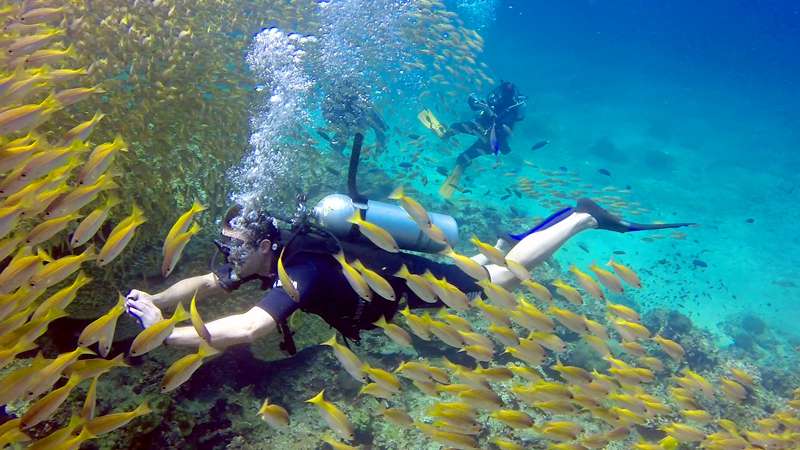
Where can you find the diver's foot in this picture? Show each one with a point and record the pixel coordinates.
(605, 220)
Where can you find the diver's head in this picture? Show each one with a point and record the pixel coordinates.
(249, 241)
(507, 91)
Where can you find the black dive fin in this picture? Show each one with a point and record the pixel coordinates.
(607, 221)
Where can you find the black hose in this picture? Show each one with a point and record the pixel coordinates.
(352, 171)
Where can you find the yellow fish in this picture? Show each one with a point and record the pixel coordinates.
(417, 284)
(93, 368)
(548, 340)
(174, 248)
(732, 390)
(505, 444)
(505, 335)
(670, 347)
(627, 275)
(47, 405)
(448, 438)
(57, 436)
(275, 415)
(348, 359)
(394, 332)
(569, 292)
(182, 224)
(623, 311)
(491, 253)
(684, 433)
(63, 297)
(519, 270)
(514, 419)
(82, 131)
(495, 314)
(569, 319)
(607, 279)
(354, 278)
(120, 236)
(102, 329)
(287, 283)
(499, 295)
(377, 390)
(596, 328)
(538, 290)
(90, 402)
(79, 197)
(447, 292)
(69, 97)
(61, 75)
(466, 264)
(19, 270)
(336, 445)
(587, 283)
(333, 416)
(446, 333)
(154, 335)
(376, 282)
(92, 222)
(25, 117)
(100, 159)
(414, 209)
(9, 216)
(386, 379)
(418, 324)
(42, 15)
(110, 422)
(181, 370)
(397, 416)
(56, 271)
(374, 233)
(742, 377)
(31, 43)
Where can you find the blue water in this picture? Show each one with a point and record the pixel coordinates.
(695, 105)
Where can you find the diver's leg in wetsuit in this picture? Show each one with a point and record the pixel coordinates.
(478, 148)
(539, 243)
(468, 127)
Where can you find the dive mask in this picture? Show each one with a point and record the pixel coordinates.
(236, 251)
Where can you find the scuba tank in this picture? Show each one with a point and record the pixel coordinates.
(333, 211)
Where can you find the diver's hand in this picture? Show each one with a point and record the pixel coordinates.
(144, 311)
(137, 295)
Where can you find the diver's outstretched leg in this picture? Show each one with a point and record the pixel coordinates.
(541, 241)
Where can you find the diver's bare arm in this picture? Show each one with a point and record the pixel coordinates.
(227, 331)
(535, 248)
(182, 291)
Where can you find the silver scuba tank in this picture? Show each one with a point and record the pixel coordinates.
(333, 211)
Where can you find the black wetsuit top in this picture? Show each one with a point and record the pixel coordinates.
(325, 291)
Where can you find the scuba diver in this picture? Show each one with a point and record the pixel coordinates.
(347, 109)
(493, 126)
(252, 243)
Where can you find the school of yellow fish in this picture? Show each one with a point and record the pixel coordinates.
(575, 409)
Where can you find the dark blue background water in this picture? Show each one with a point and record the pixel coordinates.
(693, 104)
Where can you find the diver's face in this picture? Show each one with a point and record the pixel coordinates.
(252, 259)
(246, 256)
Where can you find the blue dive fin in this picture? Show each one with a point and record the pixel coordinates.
(551, 220)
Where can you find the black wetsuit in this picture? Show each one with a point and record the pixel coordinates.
(348, 111)
(503, 113)
(324, 290)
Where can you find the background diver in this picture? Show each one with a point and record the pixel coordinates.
(348, 109)
(493, 125)
(252, 242)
